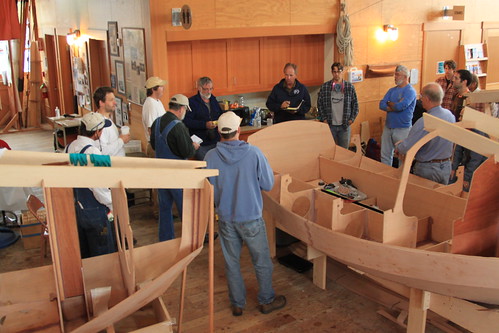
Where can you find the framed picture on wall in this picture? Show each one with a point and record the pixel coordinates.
(134, 56)
(124, 111)
(120, 77)
(118, 114)
(112, 37)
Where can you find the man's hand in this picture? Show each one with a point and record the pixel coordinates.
(125, 137)
(285, 104)
(210, 124)
(196, 145)
(391, 106)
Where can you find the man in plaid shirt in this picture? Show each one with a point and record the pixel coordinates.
(446, 83)
(338, 106)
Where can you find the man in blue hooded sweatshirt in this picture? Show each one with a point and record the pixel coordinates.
(244, 173)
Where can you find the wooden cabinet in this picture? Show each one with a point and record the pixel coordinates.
(473, 57)
(242, 65)
(180, 78)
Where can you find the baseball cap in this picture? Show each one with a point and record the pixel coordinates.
(154, 81)
(228, 122)
(180, 99)
(93, 121)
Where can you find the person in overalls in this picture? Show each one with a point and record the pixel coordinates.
(170, 139)
(93, 206)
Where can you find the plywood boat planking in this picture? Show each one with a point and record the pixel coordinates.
(61, 297)
(414, 213)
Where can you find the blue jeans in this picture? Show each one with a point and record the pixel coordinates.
(166, 198)
(202, 150)
(341, 135)
(388, 139)
(253, 233)
(437, 171)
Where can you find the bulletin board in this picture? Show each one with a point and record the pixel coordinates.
(134, 58)
(81, 75)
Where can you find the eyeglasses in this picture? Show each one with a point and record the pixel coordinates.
(336, 72)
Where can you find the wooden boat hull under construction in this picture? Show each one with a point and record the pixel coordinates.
(420, 234)
(90, 295)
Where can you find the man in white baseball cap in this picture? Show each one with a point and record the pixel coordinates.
(244, 173)
(92, 205)
(153, 107)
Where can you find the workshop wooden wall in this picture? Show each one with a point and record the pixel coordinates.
(228, 19)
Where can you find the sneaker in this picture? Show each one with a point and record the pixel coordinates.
(278, 303)
(236, 311)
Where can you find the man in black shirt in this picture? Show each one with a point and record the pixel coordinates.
(170, 139)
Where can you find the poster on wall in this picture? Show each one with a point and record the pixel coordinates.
(440, 67)
(112, 36)
(118, 113)
(81, 76)
(120, 77)
(124, 110)
(134, 56)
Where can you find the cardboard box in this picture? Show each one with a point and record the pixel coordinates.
(31, 230)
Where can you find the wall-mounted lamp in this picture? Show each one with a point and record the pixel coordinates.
(454, 13)
(391, 31)
(72, 37)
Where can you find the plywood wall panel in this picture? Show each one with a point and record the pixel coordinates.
(407, 48)
(440, 45)
(231, 13)
(180, 68)
(318, 11)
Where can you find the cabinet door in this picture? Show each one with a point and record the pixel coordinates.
(180, 77)
(308, 53)
(209, 58)
(244, 64)
(276, 52)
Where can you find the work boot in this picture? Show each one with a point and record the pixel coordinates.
(236, 311)
(278, 303)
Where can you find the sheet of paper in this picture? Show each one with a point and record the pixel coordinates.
(196, 139)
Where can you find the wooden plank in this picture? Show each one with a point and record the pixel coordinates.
(64, 176)
(467, 139)
(139, 299)
(481, 121)
(244, 32)
(482, 96)
(100, 303)
(419, 302)
(469, 315)
(124, 238)
(41, 158)
(64, 242)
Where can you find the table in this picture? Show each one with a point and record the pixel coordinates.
(62, 124)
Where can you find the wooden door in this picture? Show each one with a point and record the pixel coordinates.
(308, 53)
(438, 45)
(180, 77)
(66, 84)
(276, 52)
(209, 58)
(491, 38)
(52, 78)
(244, 64)
(98, 65)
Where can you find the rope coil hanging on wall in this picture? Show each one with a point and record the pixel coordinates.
(344, 39)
